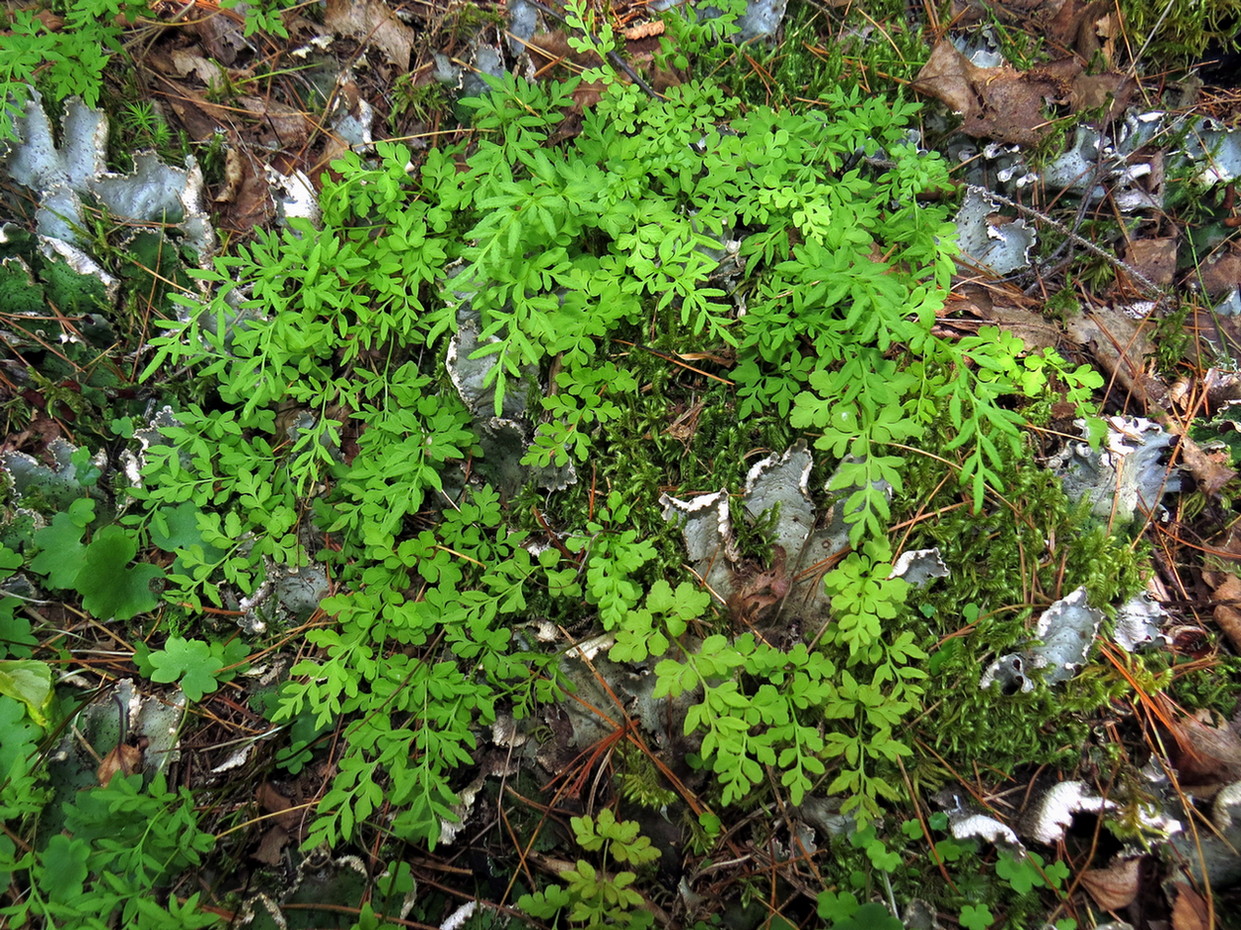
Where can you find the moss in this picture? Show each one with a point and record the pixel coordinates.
(1172, 338)
(1177, 32)
(1006, 565)
(1210, 685)
(826, 48)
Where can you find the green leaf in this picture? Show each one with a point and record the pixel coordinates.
(61, 543)
(29, 682)
(191, 661)
(976, 917)
(110, 587)
(66, 857)
(837, 906)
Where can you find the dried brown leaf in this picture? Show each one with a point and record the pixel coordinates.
(949, 77)
(125, 759)
(1226, 590)
(252, 204)
(1222, 272)
(185, 63)
(1190, 910)
(974, 304)
(232, 176)
(222, 34)
(760, 591)
(271, 845)
(1209, 469)
(1121, 345)
(271, 801)
(372, 22)
(1007, 105)
(1115, 886)
(1075, 26)
(1206, 757)
(996, 103)
(1091, 91)
(1154, 258)
(644, 30)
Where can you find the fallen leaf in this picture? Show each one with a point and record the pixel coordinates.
(252, 203)
(125, 759)
(186, 63)
(685, 425)
(1088, 27)
(232, 176)
(948, 77)
(1226, 591)
(1115, 886)
(758, 592)
(1007, 105)
(372, 22)
(1121, 346)
(1222, 387)
(1154, 258)
(644, 30)
(1206, 757)
(1209, 470)
(281, 827)
(271, 845)
(972, 305)
(1189, 911)
(1190, 641)
(278, 126)
(50, 20)
(549, 50)
(1221, 273)
(222, 33)
(996, 103)
(1091, 91)
(271, 801)
(556, 753)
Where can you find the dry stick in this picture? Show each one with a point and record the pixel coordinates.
(1096, 175)
(612, 54)
(1146, 283)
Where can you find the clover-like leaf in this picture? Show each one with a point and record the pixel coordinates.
(976, 917)
(110, 587)
(60, 544)
(191, 661)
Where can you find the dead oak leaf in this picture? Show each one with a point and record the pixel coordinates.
(1154, 258)
(372, 22)
(283, 819)
(222, 34)
(1210, 470)
(1221, 273)
(183, 63)
(1007, 105)
(759, 592)
(996, 103)
(277, 125)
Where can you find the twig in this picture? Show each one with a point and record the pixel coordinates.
(1146, 283)
(611, 53)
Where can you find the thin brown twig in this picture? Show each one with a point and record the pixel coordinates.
(612, 55)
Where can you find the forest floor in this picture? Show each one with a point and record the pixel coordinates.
(472, 465)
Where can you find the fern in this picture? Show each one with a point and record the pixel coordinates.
(617, 234)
